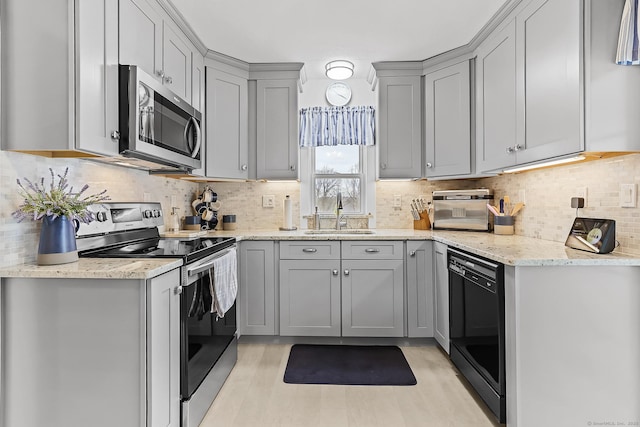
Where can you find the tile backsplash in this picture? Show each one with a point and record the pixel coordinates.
(547, 214)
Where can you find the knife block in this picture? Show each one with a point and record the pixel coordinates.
(423, 223)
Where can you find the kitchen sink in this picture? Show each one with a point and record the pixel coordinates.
(346, 231)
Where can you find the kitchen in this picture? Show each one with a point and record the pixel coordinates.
(547, 215)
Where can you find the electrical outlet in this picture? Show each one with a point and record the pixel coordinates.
(397, 200)
(521, 196)
(628, 194)
(268, 201)
(582, 192)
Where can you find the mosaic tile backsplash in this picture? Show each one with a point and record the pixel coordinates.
(547, 215)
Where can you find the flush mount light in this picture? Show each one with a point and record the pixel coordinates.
(545, 164)
(339, 70)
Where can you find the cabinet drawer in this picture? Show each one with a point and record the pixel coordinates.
(310, 250)
(367, 249)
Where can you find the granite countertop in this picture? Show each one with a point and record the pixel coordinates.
(96, 268)
(510, 250)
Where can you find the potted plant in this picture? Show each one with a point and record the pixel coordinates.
(61, 210)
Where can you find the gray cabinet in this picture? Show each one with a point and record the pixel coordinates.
(496, 100)
(399, 127)
(549, 82)
(163, 350)
(113, 345)
(448, 121)
(441, 295)
(257, 288)
(227, 125)
(419, 288)
(75, 108)
(150, 40)
(372, 289)
(277, 129)
(310, 288)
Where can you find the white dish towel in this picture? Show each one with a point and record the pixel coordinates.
(223, 282)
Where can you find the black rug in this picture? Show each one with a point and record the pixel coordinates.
(348, 365)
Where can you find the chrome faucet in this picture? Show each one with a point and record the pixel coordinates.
(338, 209)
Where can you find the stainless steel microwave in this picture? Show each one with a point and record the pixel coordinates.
(156, 125)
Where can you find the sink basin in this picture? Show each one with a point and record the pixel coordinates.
(347, 231)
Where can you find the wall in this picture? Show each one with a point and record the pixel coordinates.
(19, 241)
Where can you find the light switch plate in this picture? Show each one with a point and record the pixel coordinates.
(397, 200)
(628, 195)
(268, 201)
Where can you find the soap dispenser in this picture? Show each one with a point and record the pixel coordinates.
(174, 220)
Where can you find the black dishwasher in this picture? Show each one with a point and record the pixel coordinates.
(476, 326)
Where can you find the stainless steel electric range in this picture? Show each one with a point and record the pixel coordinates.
(208, 346)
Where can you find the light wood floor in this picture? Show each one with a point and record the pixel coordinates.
(255, 395)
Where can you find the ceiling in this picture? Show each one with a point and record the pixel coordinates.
(317, 31)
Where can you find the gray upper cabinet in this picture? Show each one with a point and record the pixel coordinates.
(548, 71)
(419, 288)
(448, 121)
(227, 125)
(277, 129)
(75, 44)
(149, 39)
(257, 288)
(399, 127)
(496, 100)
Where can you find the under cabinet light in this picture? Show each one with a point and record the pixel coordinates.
(545, 164)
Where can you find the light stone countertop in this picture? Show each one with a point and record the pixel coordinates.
(96, 268)
(510, 250)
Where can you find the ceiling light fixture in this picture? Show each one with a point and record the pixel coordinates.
(339, 70)
(545, 164)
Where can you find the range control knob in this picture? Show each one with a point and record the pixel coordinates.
(147, 213)
(156, 213)
(101, 216)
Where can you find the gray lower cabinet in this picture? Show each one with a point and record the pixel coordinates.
(372, 289)
(91, 352)
(448, 121)
(257, 288)
(419, 288)
(441, 295)
(310, 288)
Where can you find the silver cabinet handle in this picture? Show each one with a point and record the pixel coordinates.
(243, 167)
(292, 167)
(372, 250)
(160, 73)
(346, 272)
(510, 150)
(412, 253)
(335, 272)
(429, 165)
(383, 165)
(168, 80)
(178, 290)
(310, 250)
(518, 147)
(115, 135)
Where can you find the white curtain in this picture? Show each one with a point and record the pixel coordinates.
(321, 126)
(627, 53)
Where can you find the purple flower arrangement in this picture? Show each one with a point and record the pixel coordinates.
(58, 200)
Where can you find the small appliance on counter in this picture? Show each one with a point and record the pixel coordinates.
(461, 209)
(592, 235)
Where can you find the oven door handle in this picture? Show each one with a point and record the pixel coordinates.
(206, 266)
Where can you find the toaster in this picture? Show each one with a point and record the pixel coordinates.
(462, 209)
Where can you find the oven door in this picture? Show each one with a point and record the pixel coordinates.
(204, 338)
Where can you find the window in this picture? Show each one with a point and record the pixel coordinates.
(336, 169)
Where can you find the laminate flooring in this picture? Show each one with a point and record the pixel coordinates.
(255, 395)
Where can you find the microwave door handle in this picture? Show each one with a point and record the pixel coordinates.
(196, 126)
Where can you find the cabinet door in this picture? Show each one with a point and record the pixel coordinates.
(441, 295)
(310, 297)
(372, 298)
(141, 35)
(496, 101)
(96, 41)
(448, 121)
(548, 69)
(256, 291)
(176, 62)
(399, 127)
(227, 125)
(420, 289)
(163, 350)
(277, 129)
